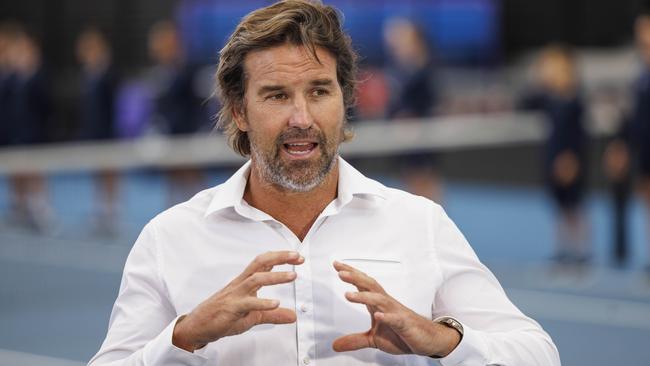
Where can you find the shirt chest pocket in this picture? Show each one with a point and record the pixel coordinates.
(387, 271)
(408, 281)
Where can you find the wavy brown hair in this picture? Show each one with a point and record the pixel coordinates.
(299, 22)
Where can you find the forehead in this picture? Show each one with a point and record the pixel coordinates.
(288, 64)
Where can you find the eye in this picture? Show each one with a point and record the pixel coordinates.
(277, 97)
(319, 92)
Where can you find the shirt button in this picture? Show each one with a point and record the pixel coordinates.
(306, 360)
(304, 308)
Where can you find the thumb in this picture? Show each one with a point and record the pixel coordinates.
(351, 342)
(278, 316)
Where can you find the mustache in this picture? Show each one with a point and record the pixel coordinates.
(297, 133)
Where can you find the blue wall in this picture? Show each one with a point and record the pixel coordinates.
(462, 31)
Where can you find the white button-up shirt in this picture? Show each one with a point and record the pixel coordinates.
(407, 243)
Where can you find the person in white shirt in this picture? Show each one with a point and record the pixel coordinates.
(298, 259)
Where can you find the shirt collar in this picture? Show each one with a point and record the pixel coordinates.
(351, 183)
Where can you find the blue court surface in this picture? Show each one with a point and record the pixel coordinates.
(57, 289)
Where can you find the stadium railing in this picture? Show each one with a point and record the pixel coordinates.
(372, 138)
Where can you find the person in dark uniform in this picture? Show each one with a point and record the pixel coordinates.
(177, 103)
(96, 117)
(412, 73)
(413, 94)
(98, 84)
(641, 117)
(617, 166)
(29, 109)
(29, 97)
(564, 166)
(7, 76)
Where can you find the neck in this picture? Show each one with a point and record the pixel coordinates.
(296, 210)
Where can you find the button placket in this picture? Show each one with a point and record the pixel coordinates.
(304, 321)
(303, 293)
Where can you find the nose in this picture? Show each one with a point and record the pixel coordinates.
(300, 116)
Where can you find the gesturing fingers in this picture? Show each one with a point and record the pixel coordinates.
(357, 278)
(375, 300)
(340, 266)
(265, 263)
(259, 279)
(253, 303)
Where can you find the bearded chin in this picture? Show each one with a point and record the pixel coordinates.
(294, 176)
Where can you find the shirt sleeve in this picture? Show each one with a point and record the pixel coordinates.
(142, 321)
(495, 331)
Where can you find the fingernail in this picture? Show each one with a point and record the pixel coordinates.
(343, 273)
(293, 255)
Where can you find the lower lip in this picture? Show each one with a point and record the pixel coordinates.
(301, 156)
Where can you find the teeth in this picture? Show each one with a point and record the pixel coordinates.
(299, 148)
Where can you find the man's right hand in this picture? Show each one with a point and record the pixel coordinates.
(236, 308)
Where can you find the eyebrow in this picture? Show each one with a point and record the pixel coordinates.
(273, 88)
(269, 88)
(322, 82)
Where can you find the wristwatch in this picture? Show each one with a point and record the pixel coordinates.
(451, 323)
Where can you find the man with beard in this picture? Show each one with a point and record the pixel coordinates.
(337, 268)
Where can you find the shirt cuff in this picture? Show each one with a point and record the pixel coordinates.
(161, 351)
(471, 351)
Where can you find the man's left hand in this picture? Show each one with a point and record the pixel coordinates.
(394, 328)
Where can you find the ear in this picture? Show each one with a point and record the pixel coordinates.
(239, 115)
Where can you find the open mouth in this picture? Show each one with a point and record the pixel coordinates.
(300, 148)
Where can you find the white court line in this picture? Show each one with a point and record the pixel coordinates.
(582, 309)
(15, 358)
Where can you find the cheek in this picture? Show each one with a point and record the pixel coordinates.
(264, 122)
(331, 117)
(330, 110)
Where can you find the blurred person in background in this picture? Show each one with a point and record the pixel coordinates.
(557, 95)
(177, 105)
(7, 34)
(641, 117)
(618, 171)
(412, 88)
(28, 117)
(96, 107)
